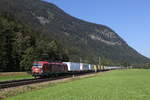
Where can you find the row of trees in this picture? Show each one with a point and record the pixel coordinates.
(20, 46)
(106, 62)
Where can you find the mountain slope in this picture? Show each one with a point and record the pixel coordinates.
(83, 40)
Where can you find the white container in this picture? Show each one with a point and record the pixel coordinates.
(86, 67)
(72, 66)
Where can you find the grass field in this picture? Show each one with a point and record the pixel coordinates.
(115, 85)
(14, 76)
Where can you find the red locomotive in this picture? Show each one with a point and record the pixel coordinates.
(46, 69)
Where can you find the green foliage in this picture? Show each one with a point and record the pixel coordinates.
(20, 46)
(147, 65)
(106, 62)
(125, 64)
(27, 59)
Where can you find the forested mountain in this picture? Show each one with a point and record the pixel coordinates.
(78, 39)
(20, 46)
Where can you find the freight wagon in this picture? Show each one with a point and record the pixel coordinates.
(73, 66)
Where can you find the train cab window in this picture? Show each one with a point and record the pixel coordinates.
(37, 65)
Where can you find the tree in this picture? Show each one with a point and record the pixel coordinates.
(105, 61)
(6, 46)
(27, 59)
(125, 64)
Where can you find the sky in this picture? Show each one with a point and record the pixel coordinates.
(129, 18)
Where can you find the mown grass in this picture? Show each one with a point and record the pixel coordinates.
(114, 85)
(14, 76)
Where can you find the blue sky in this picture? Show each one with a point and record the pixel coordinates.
(129, 18)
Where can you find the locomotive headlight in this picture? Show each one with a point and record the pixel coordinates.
(40, 66)
(41, 71)
(36, 70)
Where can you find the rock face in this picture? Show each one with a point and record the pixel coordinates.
(80, 38)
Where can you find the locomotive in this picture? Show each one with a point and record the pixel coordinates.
(46, 69)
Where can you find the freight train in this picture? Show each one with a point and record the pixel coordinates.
(48, 69)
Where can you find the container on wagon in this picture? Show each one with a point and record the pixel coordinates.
(72, 66)
(86, 67)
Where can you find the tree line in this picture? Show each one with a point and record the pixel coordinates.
(20, 46)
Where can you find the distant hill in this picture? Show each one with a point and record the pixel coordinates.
(83, 40)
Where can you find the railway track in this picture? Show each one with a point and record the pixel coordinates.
(15, 83)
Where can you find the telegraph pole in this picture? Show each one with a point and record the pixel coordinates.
(80, 60)
(99, 60)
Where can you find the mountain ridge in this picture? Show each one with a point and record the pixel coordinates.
(83, 40)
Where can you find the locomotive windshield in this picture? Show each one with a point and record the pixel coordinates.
(37, 65)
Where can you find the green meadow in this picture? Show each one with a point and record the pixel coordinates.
(15, 76)
(133, 84)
